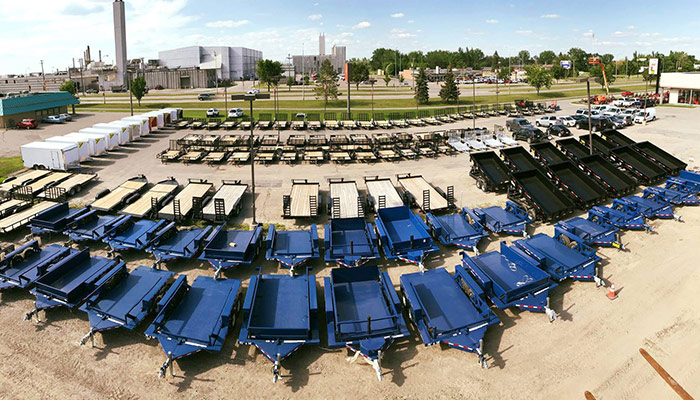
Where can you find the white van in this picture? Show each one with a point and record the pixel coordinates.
(640, 117)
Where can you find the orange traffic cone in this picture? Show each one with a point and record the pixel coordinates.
(612, 295)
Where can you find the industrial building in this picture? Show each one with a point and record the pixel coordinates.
(312, 63)
(682, 87)
(235, 63)
(180, 78)
(33, 105)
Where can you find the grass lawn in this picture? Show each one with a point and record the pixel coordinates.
(9, 165)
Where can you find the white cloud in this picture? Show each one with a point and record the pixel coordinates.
(491, 21)
(620, 34)
(631, 27)
(588, 34)
(410, 21)
(397, 15)
(550, 16)
(524, 32)
(361, 25)
(315, 17)
(315, 4)
(398, 33)
(655, 34)
(227, 24)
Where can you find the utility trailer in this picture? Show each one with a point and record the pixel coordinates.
(194, 318)
(509, 278)
(303, 201)
(22, 180)
(574, 149)
(292, 248)
(40, 185)
(227, 248)
(350, 242)
(189, 202)
(532, 191)
(68, 187)
(151, 201)
(617, 138)
(562, 258)
(582, 189)
(547, 154)
(593, 231)
(22, 266)
(489, 171)
(71, 280)
(645, 170)
(462, 230)
(133, 234)
(21, 218)
(126, 302)
(172, 243)
(381, 193)
(621, 216)
(686, 181)
(363, 313)
(344, 200)
(612, 179)
(426, 196)
(519, 160)
(511, 219)
(55, 219)
(403, 235)
(280, 315)
(11, 205)
(126, 193)
(92, 226)
(444, 310)
(226, 201)
(600, 145)
(675, 197)
(671, 164)
(50, 155)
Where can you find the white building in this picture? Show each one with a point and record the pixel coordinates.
(682, 87)
(312, 63)
(229, 62)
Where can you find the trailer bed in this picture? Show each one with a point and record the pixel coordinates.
(73, 184)
(302, 196)
(492, 168)
(610, 177)
(600, 145)
(348, 199)
(417, 186)
(548, 153)
(229, 195)
(671, 163)
(543, 193)
(646, 170)
(616, 137)
(584, 190)
(382, 193)
(50, 179)
(573, 148)
(24, 265)
(350, 242)
(116, 197)
(186, 200)
(172, 243)
(10, 206)
(519, 159)
(21, 218)
(22, 179)
(144, 205)
(292, 248)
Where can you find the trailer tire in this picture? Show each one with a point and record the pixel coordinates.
(532, 214)
(480, 184)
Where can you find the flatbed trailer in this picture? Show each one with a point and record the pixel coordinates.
(532, 191)
(189, 202)
(225, 202)
(363, 313)
(40, 185)
(645, 170)
(511, 219)
(612, 179)
(562, 258)
(92, 226)
(129, 299)
(426, 196)
(350, 242)
(69, 187)
(670, 163)
(621, 217)
(686, 181)
(519, 160)
(489, 171)
(648, 207)
(344, 200)
(381, 193)
(462, 229)
(227, 248)
(71, 280)
(547, 153)
(133, 234)
(126, 193)
(509, 278)
(280, 315)
(194, 318)
(55, 219)
(593, 231)
(22, 266)
(292, 248)
(617, 138)
(22, 180)
(574, 149)
(11, 205)
(153, 199)
(403, 235)
(444, 311)
(172, 243)
(675, 197)
(582, 189)
(21, 218)
(303, 201)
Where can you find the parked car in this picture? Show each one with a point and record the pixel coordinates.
(205, 96)
(598, 124)
(624, 102)
(618, 123)
(558, 130)
(118, 89)
(611, 111)
(627, 118)
(568, 121)
(54, 119)
(253, 91)
(235, 113)
(530, 134)
(27, 123)
(517, 123)
(640, 116)
(91, 91)
(546, 120)
(583, 111)
(66, 117)
(212, 112)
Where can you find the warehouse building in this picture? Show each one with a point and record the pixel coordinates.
(181, 78)
(682, 87)
(234, 63)
(304, 64)
(33, 105)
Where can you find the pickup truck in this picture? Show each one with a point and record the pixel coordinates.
(516, 124)
(624, 102)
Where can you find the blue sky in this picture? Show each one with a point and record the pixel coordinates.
(278, 28)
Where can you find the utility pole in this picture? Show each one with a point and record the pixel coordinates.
(82, 83)
(131, 97)
(590, 126)
(303, 74)
(474, 102)
(347, 80)
(42, 74)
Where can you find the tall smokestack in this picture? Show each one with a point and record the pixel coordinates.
(322, 44)
(120, 40)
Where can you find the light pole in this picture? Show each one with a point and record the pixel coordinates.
(371, 81)
(474, 102)
(590, 126)
(131, 98)
(251, 98)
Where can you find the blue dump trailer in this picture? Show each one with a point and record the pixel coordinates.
(462, 230)
(127, 301)
(562, 257)
(71, 280)
(675, 197)
(363, 313)
(350, 242)
(593, 231)
(23, 266)
(55, 219)
(443, 311)
(172, 243)
(92, 226)
(404, 235)
(649, 207)
(292, 248)
(280, 315)
(511, 219)
(133, 234)
(509, 278)
(621, 215)
(194, 318)
(226, 248)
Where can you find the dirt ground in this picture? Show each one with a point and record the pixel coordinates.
(592, 346)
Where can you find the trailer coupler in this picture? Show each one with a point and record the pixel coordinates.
(276, 369)
(678, 218)
(34, 313)
(90, 335)
(168, 363)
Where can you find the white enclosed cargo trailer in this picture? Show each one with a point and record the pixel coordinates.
(97, 144)
(111, 138)
(130, 135)
(50, 155)
(159, 116)
(83, 146)
(122, 131)
(142, 121)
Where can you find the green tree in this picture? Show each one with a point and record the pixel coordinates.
(422, 88)
(138, 88)
(70, 87)
(597, 73)
(326, 84)
(579, 58)
(387, 78)
(523, 57)
(558, 72)
(538, 77)
(505, 73)
(269, 72)
(359, 72)
(290, 83)
(449, 91)
(401, 78)
(495, 60)
(547, 57)
(306, 80)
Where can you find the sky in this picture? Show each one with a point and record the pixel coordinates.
(63, 29)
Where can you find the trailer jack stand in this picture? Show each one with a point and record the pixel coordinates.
(34, 313)
(480, 353)
(276, 370)
(678, 218)
(421, 267)
(90, 335)
(168, 363)
(549, 312)
(217, 273)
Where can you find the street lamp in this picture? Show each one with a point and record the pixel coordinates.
(251, 98)
(372, 81)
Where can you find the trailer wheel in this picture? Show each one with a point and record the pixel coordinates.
(480, 184)
(532, 214)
